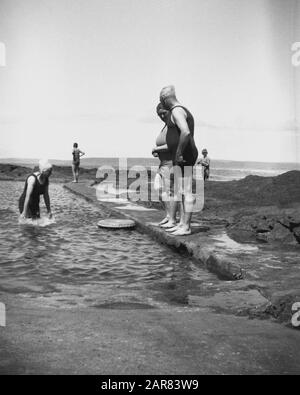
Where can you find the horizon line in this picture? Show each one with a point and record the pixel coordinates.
(139, 157)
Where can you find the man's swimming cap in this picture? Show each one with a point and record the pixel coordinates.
(44, 165)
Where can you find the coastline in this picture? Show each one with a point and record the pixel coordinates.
(262, 212)
(125, 340)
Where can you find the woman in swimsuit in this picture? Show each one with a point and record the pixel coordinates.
(36, 184)
(76, 161)
(165, 168)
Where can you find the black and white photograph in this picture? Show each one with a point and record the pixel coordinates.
(149, 190)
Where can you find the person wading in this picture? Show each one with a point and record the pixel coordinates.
(36, 184)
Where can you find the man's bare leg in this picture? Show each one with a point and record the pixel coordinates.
(184, 227)
(178, 196)
(175, 201)
(181, 218)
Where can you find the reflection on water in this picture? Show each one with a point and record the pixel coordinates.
(225, 241)
(72, 262)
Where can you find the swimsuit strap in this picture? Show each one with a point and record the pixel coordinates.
(178, 105)
(33, 175)
(39, 185)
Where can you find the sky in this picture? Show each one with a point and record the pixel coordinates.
(90, 71)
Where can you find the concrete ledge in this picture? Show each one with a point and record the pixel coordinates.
(198, 245)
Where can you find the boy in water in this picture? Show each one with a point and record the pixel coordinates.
(205, 163)
(77, 154)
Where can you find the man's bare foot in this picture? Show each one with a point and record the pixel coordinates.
(176, 227)
(169, 224)
(164, 221)
(182, 231)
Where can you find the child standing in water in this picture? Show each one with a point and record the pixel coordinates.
(205, 163)
(76, 161)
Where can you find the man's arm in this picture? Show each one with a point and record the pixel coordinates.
(81, 153)
(179, 118)
(47, 201)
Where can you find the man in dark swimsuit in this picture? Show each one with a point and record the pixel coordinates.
(180, 140)
(36, 184)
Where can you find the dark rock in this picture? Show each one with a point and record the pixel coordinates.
(284, 221)
(282, 234)
(281, 305)
(241, 236)
(245, 225)
(242, 231)
(280, 191)
(224, 268)
(262, 226)
(296, 232)
(279, 234)
(290, 221)
(295, 220)
(264, 237)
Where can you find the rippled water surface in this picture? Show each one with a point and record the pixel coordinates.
(71, 262)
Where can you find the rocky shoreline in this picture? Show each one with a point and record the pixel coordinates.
(262, 209)
(255, 211)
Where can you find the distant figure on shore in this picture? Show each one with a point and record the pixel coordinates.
(181, 144)
(162, 152)
(205, 163)
(77, 154)
(36, 184)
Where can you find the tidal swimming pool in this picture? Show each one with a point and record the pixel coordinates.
(74, 263)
